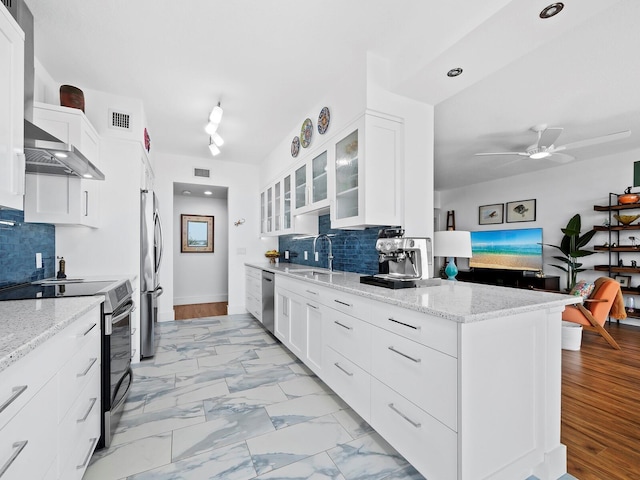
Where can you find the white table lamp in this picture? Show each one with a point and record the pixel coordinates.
(451, 244)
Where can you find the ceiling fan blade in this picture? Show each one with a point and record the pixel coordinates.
(523, 154)
(549, 136)
(594, 141)
(561, 158)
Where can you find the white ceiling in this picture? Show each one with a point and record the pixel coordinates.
(267, 61)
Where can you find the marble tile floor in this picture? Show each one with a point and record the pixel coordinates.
(222, 399)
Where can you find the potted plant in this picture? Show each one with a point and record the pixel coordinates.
(571, 248)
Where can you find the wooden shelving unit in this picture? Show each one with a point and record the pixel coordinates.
(619, 252)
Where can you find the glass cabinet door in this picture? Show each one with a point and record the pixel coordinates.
(277, 206)
(269, 209)
(301, 186)
(287, 202)
(347, 176)
(319, 178)
(263, 228)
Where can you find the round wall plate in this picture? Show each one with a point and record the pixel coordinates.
(295, 146)
(323, 120)
(306, 132)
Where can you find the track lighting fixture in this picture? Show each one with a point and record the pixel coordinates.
(215, 140)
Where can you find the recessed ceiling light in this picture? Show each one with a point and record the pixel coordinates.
(454, 72)
(208, 192)
(87, 175)
(186, 192)
(551, 10)
(60, 155)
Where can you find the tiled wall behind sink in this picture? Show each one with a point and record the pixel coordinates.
(18, 247)
(353, 250)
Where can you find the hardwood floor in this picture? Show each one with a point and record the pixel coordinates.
(601, 406)
(199, 310)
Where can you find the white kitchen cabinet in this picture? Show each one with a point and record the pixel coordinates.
(65, 200)
(12, 163)
(277, 214)
(311, 183)
(253, 292)
(47, 394)
(367, 174)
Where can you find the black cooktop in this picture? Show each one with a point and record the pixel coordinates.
(28, 291)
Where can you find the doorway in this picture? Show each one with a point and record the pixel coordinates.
(200, 275)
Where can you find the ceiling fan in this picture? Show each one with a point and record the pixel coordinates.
(545, 146)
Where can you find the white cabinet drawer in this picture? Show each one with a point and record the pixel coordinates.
(349, 381)
(253, 272)
(426, 329)
(350, 337)
(354, 305)
(426, 443)
(36, 425)
(425, 376)
(254, 307)
(254, 286)
(79, 431)
(75, 374)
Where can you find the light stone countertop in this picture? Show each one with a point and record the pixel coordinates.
(25, 324)
(461, 302)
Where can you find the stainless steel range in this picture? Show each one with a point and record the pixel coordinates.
(117, 309)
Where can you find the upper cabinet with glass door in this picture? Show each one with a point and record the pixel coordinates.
(368, 173)
(276, 211)
(312, 186)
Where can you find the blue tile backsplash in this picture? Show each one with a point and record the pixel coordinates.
(18, 247)
(353, 250)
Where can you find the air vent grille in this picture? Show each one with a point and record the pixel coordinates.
(119, 120)
(7, 3)
(201, 172)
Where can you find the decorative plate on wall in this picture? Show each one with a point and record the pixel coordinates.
(306, 132)
(323, 120)
(295, 146)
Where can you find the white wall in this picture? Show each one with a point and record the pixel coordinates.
(242, 181)
(201, 277)
(560, 193)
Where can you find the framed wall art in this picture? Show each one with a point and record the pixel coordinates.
(623, 280)
(490, 214)
(196, 233)
(521, 211)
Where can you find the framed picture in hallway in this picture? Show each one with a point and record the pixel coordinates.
(196, 233)
(490, 214)
(521, 211)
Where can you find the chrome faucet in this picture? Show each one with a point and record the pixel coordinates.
(330, 257)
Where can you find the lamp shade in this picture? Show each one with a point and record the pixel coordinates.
(216, 114)
(214, 149)
(452, 243)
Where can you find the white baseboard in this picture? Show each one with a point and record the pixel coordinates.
(222, 297)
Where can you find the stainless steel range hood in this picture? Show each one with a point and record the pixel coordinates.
(48, 155)
(45, 154)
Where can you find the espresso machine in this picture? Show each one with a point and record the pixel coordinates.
(402, 262)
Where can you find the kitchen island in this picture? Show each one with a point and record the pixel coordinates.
(462, 379)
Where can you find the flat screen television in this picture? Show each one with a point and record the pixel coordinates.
(519, 249)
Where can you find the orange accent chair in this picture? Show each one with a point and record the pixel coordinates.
(605, 300)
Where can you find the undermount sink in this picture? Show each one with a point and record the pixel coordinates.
(310, 272)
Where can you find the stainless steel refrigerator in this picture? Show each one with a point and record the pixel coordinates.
(150, 259)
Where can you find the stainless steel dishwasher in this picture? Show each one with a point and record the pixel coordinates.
(268, 284)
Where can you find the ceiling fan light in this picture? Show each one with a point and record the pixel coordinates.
(216, 114)
(217, 139)
(539, 155)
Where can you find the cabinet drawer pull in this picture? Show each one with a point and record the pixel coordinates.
(91, 362)
(417, 360)
(92, 402)
(341, 368)
(311, 292)
(17, 391)
(343, 303)
(18, 447)
(342, 325)
(415, 424)
(89, 329)
(403, 324)
(94, 442)
(312, 306)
